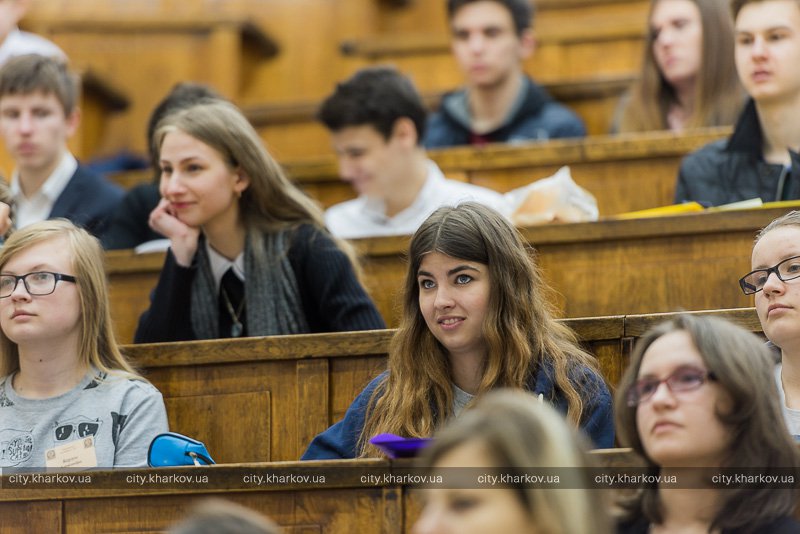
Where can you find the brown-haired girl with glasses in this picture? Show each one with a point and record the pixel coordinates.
(475, 318)
(775, 284)
(698, 398)
(68, 397)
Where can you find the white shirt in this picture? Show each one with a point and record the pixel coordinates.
(39, 206)
(791, 416)
(18, 43)
(220, 265)
(366, 217)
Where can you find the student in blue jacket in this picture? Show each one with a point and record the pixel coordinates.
(475, 318)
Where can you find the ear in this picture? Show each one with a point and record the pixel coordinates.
(73, 120)
(527, 43)
(242, 182)
(404, 132)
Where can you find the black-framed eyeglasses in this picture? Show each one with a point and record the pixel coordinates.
(682, 379)
(37, 283)
(754, 281)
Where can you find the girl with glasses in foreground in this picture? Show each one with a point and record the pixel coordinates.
(699, 399)
(509, 433)
(775, 282)
(475, 318)
(68, 397)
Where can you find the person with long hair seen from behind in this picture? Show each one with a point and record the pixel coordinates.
(68, 397)
(475, 318)
(509, 433)
(249, 252)
(698, 398)
(688, 77)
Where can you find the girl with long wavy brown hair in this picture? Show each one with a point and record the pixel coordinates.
(475, 318)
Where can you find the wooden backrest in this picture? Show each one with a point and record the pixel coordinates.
(612, 267)
(609, 167)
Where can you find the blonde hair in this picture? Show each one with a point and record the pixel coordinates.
(520, 329)
(790, 219)
(97, 346)
(519, 433)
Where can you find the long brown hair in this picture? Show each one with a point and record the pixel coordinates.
(416, 396)
(271, 202)
(97, 346)
(718, 95)
(743, 367)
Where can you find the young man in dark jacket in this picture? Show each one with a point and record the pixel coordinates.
(760, 159)
(491, 38)
(38, 114)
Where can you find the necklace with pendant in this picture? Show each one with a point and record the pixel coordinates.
(237, 327)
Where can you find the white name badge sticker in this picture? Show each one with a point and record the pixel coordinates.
(79, 453)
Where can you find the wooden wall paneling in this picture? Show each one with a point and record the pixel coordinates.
(239, 423)
(251, 395)
(313, 401)
(147, 56)
(275, 394)
(664, 270)
(43, 517)
(348, 377)
(131, 278)
(603, 337)
(333, 511)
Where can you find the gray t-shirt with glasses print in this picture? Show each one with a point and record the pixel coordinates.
(122, 415)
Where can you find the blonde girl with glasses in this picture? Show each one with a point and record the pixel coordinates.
(774, 282)
(68, 397)
(697, 399)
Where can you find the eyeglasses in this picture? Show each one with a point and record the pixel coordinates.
(682, 379)
(38, 283)
(754, 281)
